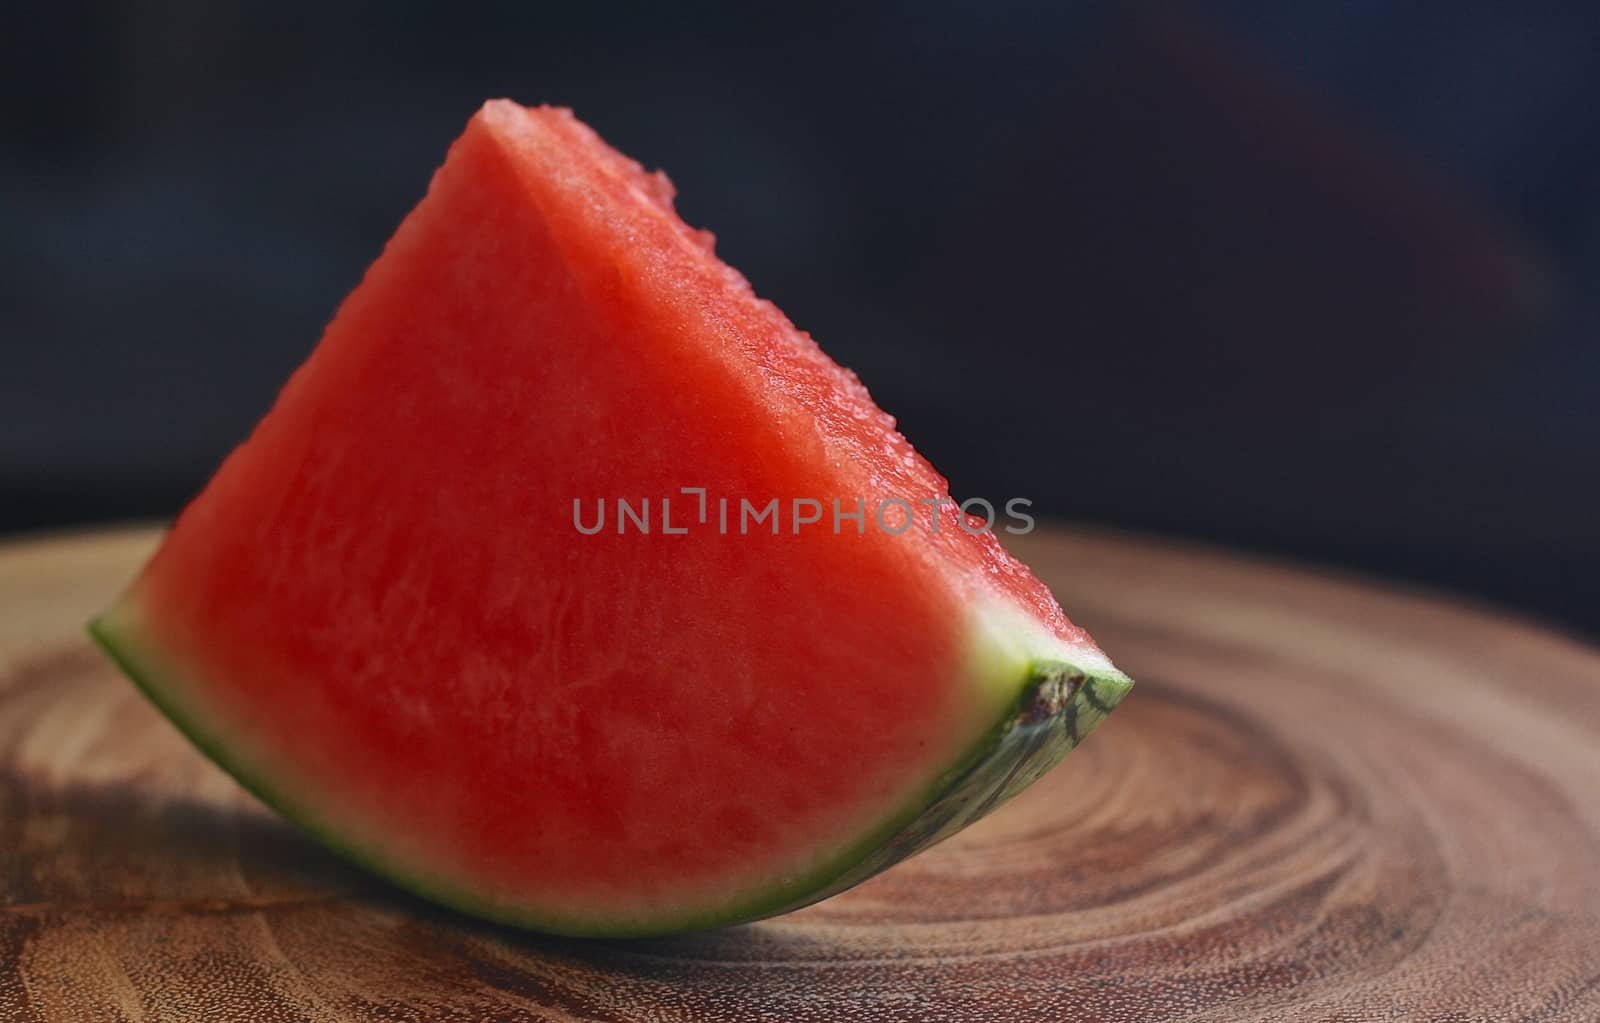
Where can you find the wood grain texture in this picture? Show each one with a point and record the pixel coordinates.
(1323, 802)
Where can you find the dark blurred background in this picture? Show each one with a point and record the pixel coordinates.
(1317, 279)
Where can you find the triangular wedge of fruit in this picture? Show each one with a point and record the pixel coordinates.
(515, 596)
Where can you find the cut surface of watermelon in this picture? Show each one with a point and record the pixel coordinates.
(381, 615)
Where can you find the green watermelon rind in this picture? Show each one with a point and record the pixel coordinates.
(1055, 708)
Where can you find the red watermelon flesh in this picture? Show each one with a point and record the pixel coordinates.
(380, 616)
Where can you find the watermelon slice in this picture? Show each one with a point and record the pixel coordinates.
(389, 614)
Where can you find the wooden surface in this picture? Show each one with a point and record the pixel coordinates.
(1323, 802)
